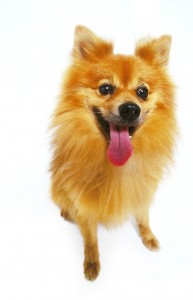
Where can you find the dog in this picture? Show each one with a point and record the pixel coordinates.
(113, 137)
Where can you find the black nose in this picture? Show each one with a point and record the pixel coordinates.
(129, 111)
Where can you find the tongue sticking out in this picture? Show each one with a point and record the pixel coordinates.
(120, 148)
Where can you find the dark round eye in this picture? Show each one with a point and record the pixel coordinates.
(106, 89)
(142, 92)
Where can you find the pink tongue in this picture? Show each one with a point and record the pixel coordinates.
(120, 148)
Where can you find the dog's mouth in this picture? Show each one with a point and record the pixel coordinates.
(105, 125)
(119, 134)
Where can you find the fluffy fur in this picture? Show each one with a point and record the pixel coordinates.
(86, 186)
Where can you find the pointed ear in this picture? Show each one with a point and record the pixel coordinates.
(155, 51)
(88, 46)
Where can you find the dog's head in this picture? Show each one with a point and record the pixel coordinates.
(128, 96)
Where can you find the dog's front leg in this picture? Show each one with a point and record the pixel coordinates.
(91, 253)
(147, 236)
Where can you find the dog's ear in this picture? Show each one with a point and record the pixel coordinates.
(154, 51)
(88, 46)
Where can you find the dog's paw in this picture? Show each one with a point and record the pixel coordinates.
(91, 270)
(151, 243)
(148, 238)
(64, 214)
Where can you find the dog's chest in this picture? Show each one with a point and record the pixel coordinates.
(119, 195)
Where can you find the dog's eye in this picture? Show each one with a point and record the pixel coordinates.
(142, 92)
(106, 89)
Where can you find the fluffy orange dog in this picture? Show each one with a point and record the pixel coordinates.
(114, 136)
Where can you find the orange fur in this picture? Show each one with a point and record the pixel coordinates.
(85, 185)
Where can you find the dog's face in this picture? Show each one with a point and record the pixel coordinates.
(123, 93)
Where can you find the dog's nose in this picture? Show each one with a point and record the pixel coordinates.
(129, 111)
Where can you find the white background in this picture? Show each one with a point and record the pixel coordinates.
(41, 255)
